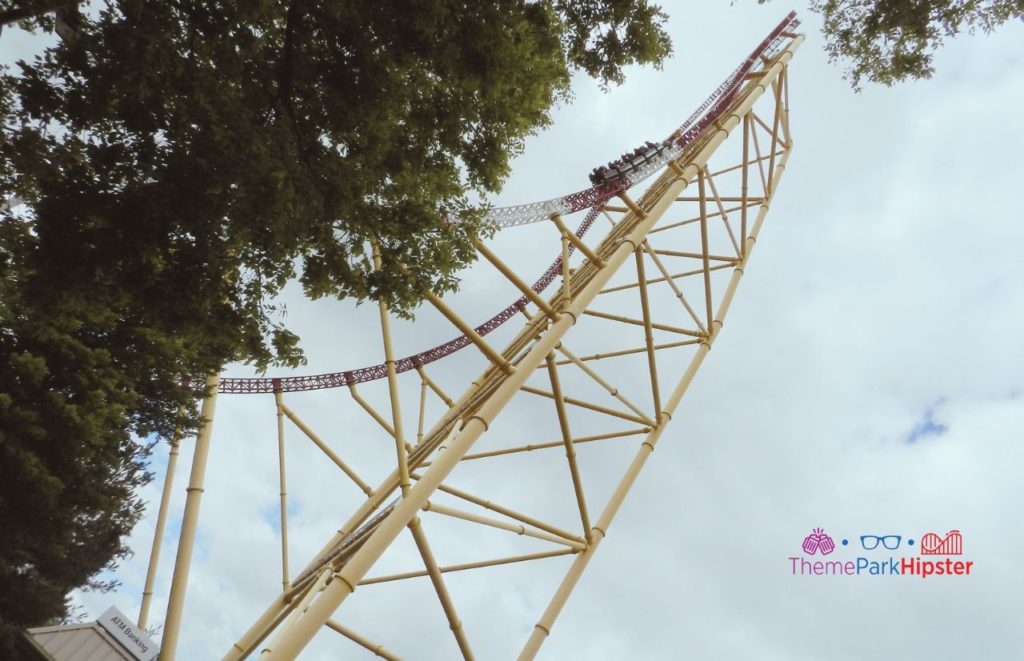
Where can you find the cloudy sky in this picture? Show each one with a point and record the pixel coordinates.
(868, 382)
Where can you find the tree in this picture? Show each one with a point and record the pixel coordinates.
(181, 161)
(889, 41)
(68, 469)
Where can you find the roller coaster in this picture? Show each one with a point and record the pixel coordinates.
(673, 257)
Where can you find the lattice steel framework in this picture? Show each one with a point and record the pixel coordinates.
(673, 256)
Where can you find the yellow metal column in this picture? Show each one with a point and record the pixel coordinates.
(161, 526)
(189, 521)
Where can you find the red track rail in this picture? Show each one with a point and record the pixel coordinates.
(592, 198)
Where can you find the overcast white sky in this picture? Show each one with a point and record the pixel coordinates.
(868, 381)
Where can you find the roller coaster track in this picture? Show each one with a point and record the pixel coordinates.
(666, 270)
(713, 108)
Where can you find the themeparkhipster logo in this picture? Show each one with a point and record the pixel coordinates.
(930, 559)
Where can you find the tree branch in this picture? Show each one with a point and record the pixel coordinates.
(284, 89)
(32, 10)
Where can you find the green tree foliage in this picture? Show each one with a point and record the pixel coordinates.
(888, 41)
(181, 161)
(68, 469)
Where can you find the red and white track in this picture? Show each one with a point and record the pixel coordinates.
(593, 198)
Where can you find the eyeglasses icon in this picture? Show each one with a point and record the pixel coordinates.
(870, 542)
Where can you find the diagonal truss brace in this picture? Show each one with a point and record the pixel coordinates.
(312, 602)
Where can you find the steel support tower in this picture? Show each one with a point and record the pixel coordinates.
(668, 264)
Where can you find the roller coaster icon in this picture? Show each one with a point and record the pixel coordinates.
(951, 544)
